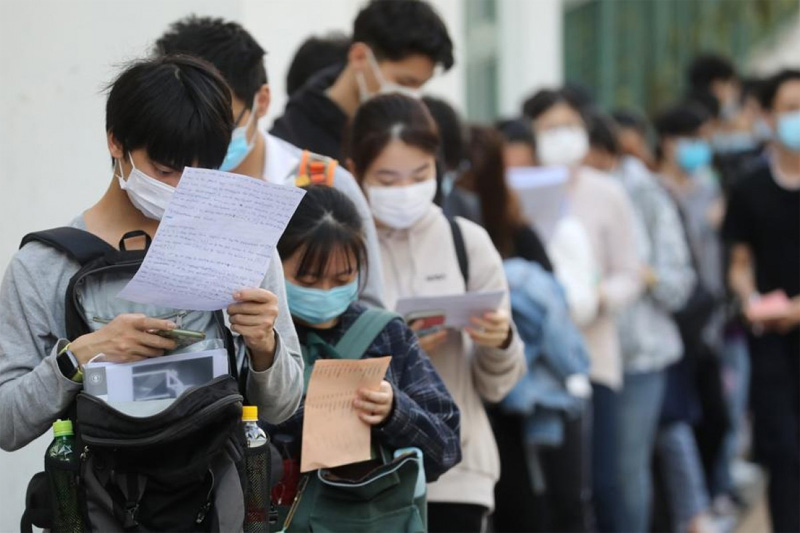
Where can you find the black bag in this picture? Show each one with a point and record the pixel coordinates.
(182, 469)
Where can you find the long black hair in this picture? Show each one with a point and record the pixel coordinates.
(325, 223)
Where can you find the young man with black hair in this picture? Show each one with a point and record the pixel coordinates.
(252, 152)
(762, 228)
(716, 75)
(396, 47)
(314, 55)
(161, 115)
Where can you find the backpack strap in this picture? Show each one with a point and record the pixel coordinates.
(314, 169)
(363, 332)
(353, 345)
(461, 249)
(78, 244)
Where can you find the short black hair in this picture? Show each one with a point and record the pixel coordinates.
(226, 45)
(603, 132)
(771, 86)
(630, 119)
(451, 131)
(515, 130)
(315, 54)
(176, 107)
(708, 68)
(325, 223)
(680, 120)
(397, 29)
(536, 105)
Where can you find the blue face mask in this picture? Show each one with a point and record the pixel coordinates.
(317, 306)
(693, 154)
(789, 130)
(239, 148)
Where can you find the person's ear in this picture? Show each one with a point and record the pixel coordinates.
(263, 99)
(115, 147)
(358, 56)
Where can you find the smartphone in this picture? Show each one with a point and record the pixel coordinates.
(429, 321)
(182, 337)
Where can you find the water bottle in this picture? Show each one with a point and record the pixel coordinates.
(257, 464)
(61, 462)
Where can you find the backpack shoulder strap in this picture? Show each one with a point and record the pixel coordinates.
(363, 332)
(314, 169)
(78, 244)
(461, 249)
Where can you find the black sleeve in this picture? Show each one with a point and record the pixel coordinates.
(528, 246)
(737, 227)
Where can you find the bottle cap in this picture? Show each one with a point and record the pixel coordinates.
(250, 413)
(62, 428)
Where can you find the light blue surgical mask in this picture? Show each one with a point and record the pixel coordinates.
(693, 154)
(317, 306)
(788, 130)
(239, 148)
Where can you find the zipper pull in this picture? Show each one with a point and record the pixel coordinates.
(201, 515)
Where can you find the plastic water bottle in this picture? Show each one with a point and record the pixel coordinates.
(61, 463)
(257, 464)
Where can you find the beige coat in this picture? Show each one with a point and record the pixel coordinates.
(421, 261)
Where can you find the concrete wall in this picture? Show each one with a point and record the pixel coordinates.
(56, 56)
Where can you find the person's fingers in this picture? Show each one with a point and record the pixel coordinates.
(487, 338)
(152, 340)
(371, 419)
(248, 320)
(369, 406)
(498, 318)
(416, 325)
(144, 323)
(255, 295)
(380, 397)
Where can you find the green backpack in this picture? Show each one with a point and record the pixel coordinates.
(386, 493)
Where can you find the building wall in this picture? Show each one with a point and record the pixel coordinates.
(56, 57)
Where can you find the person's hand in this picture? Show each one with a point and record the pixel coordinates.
(127, 338)
(253, 317)
(431, 341)
(373, 407)
(787, 323)
(492, 330)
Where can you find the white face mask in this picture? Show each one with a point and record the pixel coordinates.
(562, 146)
(401, 207)
(147, 194)
(386, 87)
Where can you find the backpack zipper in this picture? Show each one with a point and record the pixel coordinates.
(201, 515)
(177, 428)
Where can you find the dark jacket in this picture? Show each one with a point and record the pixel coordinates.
(311, 120)
(424, 414)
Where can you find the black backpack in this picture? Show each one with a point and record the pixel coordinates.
(183, 469)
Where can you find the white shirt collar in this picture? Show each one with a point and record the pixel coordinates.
(278, 161)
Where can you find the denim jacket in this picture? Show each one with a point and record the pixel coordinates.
(554, 350)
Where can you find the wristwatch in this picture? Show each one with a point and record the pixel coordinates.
(68, 365)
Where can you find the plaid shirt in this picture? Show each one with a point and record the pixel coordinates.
(424, 414)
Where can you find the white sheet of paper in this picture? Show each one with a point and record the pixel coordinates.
(156, 378)
(457, 309)
(542, 191)
(217, 236)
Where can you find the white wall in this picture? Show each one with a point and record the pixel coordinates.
(531, 55)
(56, 56)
